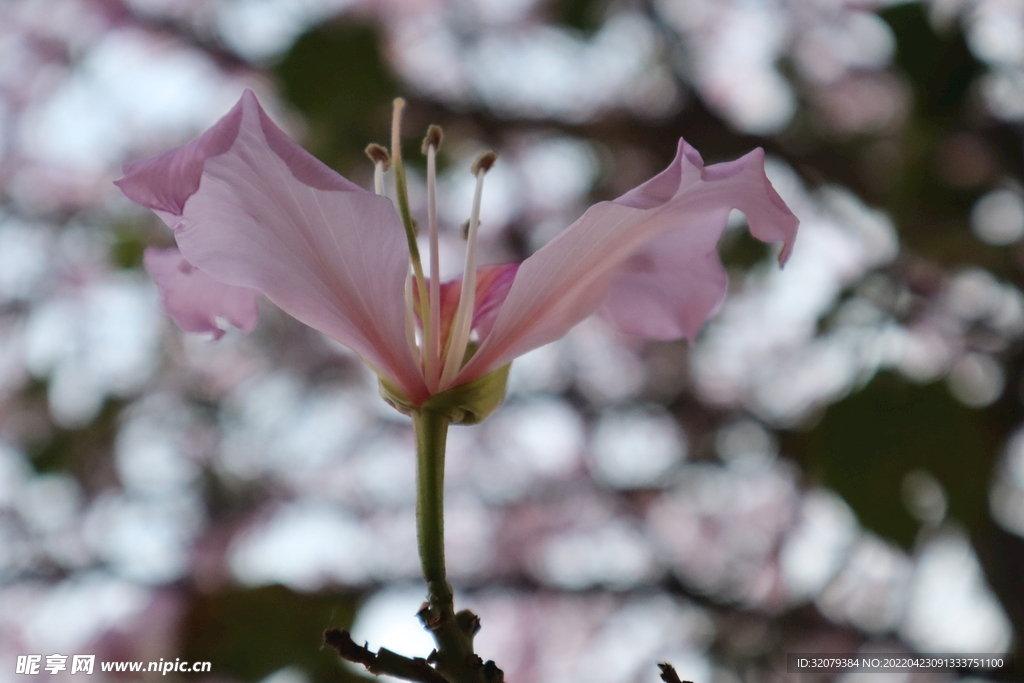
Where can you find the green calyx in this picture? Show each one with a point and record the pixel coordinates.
(466, 404)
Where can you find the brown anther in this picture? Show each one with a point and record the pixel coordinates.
(433, 139)
(484, 162)
(378, 154)
(464, 229)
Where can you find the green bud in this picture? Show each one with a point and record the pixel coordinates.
(466, 404)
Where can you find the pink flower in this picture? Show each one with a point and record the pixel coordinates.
(252, 212)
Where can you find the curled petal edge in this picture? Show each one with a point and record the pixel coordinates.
(196, 301)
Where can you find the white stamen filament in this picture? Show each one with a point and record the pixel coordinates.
(461, 326)
(433, 356)
(410, 320)
(378, 178)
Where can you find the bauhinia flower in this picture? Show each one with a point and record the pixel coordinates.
(254, 213)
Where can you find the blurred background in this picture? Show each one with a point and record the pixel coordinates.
(837, 463)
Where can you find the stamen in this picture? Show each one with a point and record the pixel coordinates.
(484, 162)
(463, 323)
(381, 162)
(432, 332)
(433, 139)
(378, 154)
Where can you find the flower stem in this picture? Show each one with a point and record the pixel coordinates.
(431, 438)
(453, 634)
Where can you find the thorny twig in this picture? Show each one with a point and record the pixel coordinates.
(668, 673)
(384, 661)
(418, 669)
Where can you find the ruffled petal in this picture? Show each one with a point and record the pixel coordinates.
(165, 182)
(264, 213)
(682, 210)
(194, 299)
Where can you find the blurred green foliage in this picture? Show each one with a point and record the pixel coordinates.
(336, 75)
(128, 244)
(739, 249)
(939, 65)
(930, 212)
(81, 451)
(249, 634)
(585, 16)
(867, 443)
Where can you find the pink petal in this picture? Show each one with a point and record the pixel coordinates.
(165, 181)
(194, 299)
(664, 293)
(492, 286)
(251, 208)
(613, 254)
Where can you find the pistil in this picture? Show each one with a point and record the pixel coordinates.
(402, 195)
